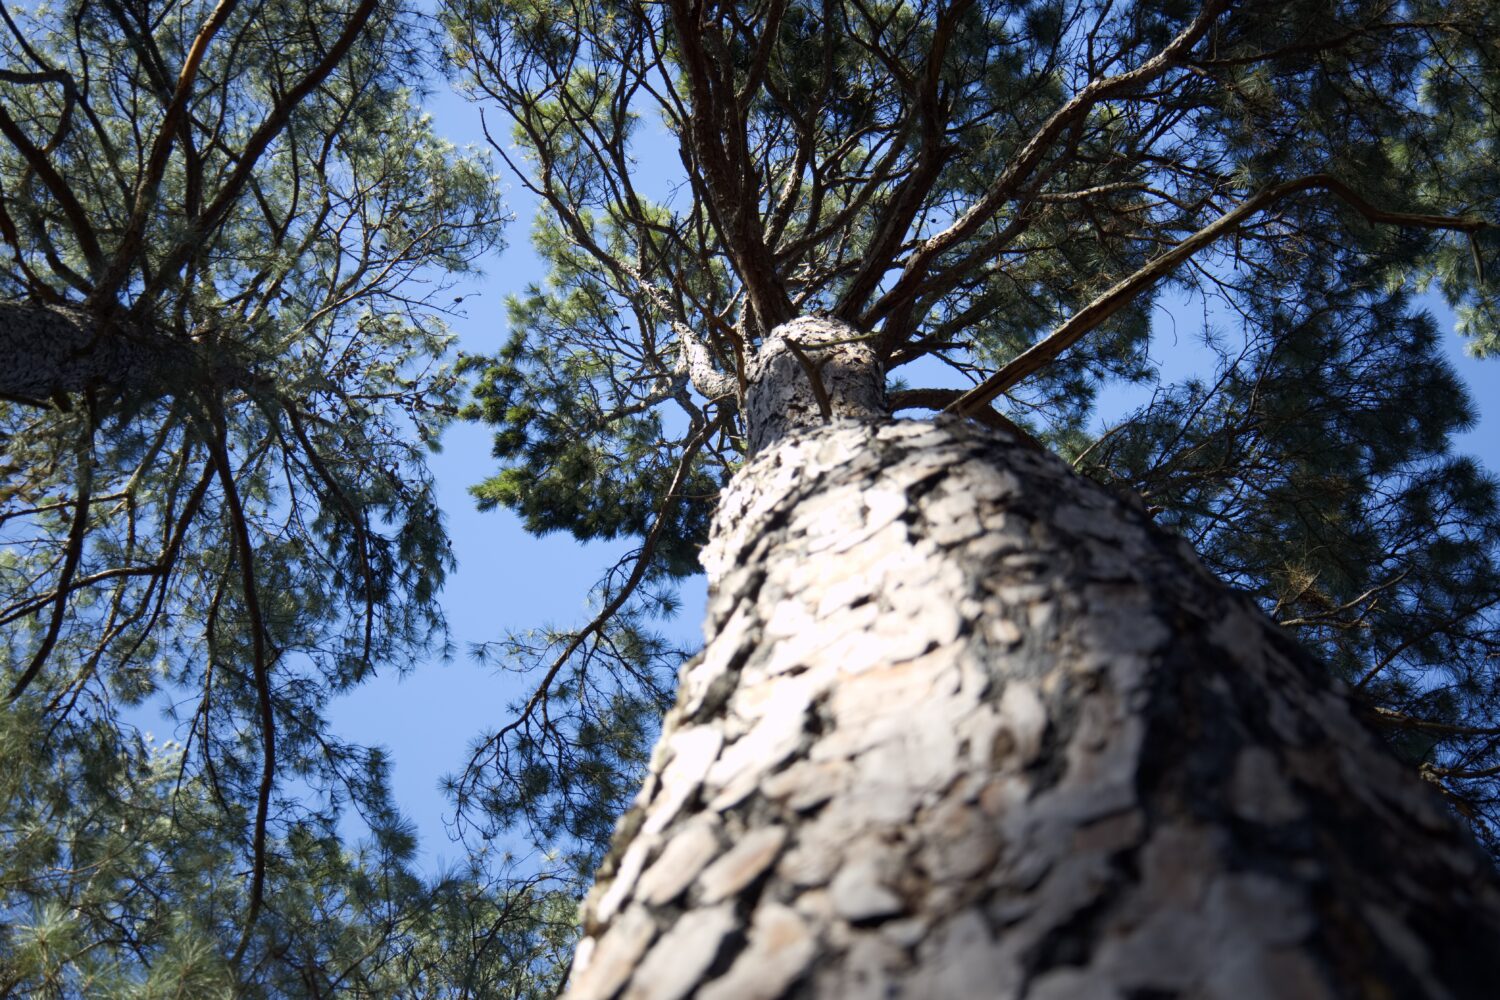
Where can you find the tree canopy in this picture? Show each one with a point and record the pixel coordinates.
(227, 231)
(1010, 193)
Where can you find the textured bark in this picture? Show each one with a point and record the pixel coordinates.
(968, 726)
(47, 351)
(696, 364)
(782, 398)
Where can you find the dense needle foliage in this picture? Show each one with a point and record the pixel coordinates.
(244, 204)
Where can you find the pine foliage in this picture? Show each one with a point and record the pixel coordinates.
(1017, 193)
(244, 203)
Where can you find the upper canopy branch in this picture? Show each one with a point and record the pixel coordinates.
(59, 188)
(911, 193)
(1025, 164)
(693, 359)
(126, 252)
(719, 144)
(260, 140)
(1124, 292)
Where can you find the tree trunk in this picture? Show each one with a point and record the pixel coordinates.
(968, 726)
(52, 351)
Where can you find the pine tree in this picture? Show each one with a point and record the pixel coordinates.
(1007, 190)
(227, 229)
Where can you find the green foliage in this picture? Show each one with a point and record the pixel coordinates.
(249, 530)
(566, 775)
(1315, 473)
(233, 539)
(961, 179)
(120, 883)
(577, 458)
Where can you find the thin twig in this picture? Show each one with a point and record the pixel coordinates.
(85, 467)
(594, 627)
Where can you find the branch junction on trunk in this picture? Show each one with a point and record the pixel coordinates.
(808, 372)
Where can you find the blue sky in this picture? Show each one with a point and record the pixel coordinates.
(509, 580)
(506, 580)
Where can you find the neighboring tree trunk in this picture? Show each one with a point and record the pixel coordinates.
(967, 726)
(52, 351)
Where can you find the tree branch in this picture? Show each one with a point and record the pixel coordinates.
(73, 210)
(156, 163)
(1123, 293)
(1030, 157)
(939, 399)
(1399, 720)
(76, 531)
(814, 377)
(245, 556)
(594, 627)
(269, 129)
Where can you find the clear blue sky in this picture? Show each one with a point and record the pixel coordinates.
(507, 579)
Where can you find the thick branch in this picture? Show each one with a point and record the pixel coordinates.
(912, 192)
(693, 361)
(1033, 153)
(52, 350)
(156, 165)
(73, 210)
(55, 350)
(716, 130)
(1386, 717)
(261, 139)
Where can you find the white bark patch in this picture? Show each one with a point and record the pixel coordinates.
(807, 784)
(701, 675)
(692, 753)
(779, 712)
(618, 889)
(781, 948)
(603, 967)
(860, 894)
(684, 953)
(1023, 720)
(744, 863)
(681, 861)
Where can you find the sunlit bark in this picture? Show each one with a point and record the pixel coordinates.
(968, 726)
